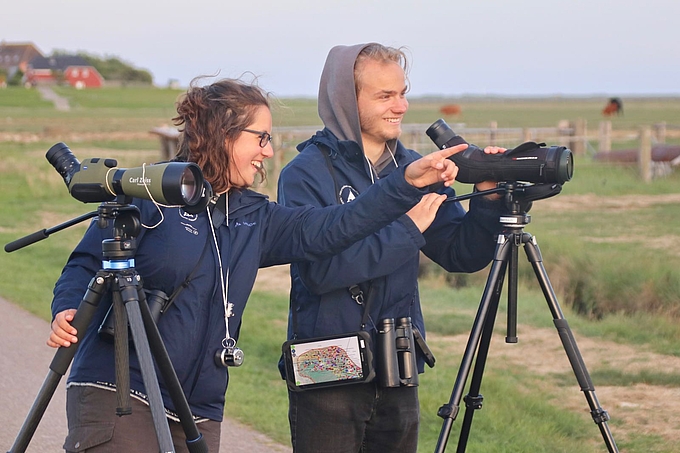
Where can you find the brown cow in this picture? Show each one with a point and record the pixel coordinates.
(614, 106)
(450, 110)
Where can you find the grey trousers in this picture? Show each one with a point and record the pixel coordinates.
(354, 418)
(94, 427)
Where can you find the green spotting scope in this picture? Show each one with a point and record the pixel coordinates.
(98, 180)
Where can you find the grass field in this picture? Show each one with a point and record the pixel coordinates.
(610, 245)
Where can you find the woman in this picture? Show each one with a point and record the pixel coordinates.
(226, 130)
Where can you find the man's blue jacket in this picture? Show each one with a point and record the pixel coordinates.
(388, 260)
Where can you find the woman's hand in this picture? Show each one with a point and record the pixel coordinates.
(63, 333)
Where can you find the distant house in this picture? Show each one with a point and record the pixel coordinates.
(71, 69)
(16, 56)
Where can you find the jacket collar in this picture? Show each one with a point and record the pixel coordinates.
(348, 149)
(241, 203)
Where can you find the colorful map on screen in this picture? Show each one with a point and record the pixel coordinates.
(327, 361)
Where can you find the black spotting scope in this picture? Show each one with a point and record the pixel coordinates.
(529, 162)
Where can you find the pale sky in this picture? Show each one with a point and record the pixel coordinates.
(478, 47)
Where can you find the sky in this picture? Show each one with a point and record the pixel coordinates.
(456, 48)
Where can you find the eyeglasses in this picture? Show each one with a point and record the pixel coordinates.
(265, 137)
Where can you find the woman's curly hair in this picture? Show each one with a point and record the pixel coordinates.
(210, 119)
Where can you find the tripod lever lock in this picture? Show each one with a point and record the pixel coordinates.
(600, 416)
(448, 411)
(473, 402)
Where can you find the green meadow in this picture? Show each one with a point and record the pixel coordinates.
(610, 244)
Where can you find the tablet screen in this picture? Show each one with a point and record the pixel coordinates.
(337, 359)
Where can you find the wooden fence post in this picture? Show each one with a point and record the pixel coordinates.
(563, 132)
(413, 138)
(526, 134)
(605, 136)
(579, 136)
(660, 132)
(279, 155)
(493, 133)
(169, 138)
(645, 156)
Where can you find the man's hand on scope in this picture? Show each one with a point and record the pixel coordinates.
(488, 185)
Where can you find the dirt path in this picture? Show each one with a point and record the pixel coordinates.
(60, 103)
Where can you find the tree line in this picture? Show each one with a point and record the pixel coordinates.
(113, 68)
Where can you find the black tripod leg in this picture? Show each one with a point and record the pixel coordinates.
(473, 400)
(128, 285)
(121, 355)
(600, 416)
(492, 290)
(61, 361)
(195, 441)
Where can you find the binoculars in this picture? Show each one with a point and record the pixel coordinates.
(396, 354)
(157, 301)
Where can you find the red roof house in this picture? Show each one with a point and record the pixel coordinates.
(16, 56)
(71, 69)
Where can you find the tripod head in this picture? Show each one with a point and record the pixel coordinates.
(120, 249)
(518, 198)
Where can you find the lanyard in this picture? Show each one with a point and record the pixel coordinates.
(228, 341)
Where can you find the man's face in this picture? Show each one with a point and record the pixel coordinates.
(382, 101)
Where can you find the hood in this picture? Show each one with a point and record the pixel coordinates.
(337, 94)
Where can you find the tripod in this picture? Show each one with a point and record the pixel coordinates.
(129, 307)
(518, 199)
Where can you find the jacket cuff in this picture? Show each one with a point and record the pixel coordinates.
(412, 230)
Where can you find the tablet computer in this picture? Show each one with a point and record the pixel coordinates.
(328, 361)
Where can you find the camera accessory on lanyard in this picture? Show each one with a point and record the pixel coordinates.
(229, 354)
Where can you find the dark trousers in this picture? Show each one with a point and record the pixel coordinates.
(354, 418)
(94, 427)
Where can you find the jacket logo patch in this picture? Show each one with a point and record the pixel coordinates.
(190, 228)
(187, 216)
(347, 194)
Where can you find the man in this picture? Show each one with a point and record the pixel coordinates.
(362, 103)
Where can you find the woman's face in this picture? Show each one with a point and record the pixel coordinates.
(248, 156)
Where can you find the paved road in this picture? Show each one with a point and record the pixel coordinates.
(24, 362)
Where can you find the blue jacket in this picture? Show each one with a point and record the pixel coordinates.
(259, 233)
(387, 259)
